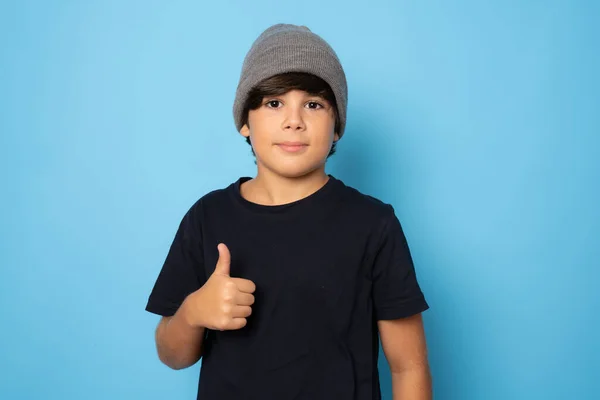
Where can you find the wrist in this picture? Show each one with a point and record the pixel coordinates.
(188, 313)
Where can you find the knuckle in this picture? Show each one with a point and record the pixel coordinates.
(230, 285)
(228, 295)
(223, 323)
(226, 308)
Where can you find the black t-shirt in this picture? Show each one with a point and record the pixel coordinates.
(326, 268)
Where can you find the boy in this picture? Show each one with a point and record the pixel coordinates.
(282, 284)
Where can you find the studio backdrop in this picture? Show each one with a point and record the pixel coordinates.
(478, 121)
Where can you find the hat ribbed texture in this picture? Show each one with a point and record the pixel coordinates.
(291, 48)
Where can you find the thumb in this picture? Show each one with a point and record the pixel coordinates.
(224, 261)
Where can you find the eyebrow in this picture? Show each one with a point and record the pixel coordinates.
(310, 97)
(283, 94)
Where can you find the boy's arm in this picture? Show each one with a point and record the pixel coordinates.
(179, 343)
(222, 303)
(404, 346)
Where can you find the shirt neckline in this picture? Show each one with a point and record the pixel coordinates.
(294, 207)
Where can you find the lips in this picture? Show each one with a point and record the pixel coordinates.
(292, 147)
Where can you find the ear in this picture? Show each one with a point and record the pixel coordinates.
(336, 137)
(245, 131)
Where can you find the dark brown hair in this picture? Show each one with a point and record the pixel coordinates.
(283, 83)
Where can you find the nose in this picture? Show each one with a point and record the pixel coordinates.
(293, 120)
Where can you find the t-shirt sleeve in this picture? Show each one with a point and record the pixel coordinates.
(396, 291)
(182, 272)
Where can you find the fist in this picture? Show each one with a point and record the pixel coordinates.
(223, 302)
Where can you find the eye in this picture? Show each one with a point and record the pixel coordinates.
(271, 102)
(313, 105)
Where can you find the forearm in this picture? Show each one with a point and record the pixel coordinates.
(414, 384)
(179, 344)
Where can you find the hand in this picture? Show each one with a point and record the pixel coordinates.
(223, 302)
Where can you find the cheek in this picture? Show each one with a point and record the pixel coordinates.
(326, 140)
(257, 135)
(259, 140)
(261, 143)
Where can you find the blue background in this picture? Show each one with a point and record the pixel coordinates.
(478, 122)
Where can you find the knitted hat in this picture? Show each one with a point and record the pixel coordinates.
(291, 48)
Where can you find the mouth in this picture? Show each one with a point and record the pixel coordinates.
(292, 147)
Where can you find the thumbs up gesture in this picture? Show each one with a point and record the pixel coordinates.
(223, 302)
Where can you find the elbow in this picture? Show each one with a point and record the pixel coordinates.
(175, 361)
(172, 354)
(173, 364)
(177, 364)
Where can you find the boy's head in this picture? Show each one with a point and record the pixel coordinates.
(314, 90)
(291, 100)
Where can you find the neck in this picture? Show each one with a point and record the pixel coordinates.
(269, 188)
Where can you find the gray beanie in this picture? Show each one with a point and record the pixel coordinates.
(291, 48)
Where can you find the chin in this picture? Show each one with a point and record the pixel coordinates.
(294, 169)
(294, 172)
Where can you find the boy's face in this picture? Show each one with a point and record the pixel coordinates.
(292, 133)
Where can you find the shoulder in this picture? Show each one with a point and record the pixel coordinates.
(373, 217)
(367, 206)
(214, 199)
